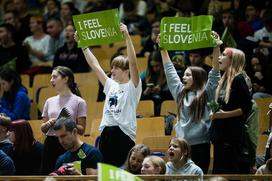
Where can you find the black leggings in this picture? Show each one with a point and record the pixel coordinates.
(201, 156)
(114, 145)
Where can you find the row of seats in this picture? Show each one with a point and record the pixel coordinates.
(144, 127)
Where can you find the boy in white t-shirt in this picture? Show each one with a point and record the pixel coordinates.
(123, 91)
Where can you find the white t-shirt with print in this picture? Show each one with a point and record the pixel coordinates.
(120, 106)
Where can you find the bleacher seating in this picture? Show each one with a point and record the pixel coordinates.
(147, 127)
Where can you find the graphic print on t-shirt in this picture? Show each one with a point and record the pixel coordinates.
(113, 100)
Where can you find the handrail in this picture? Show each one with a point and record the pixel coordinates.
(144, 177)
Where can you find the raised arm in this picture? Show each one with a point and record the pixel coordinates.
(93, 62)
(164, 53)
(216, 50)
(133, 66)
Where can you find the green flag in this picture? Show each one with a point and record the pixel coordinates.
(98, 28)
(111, 173)
(227, 39)
(183, 33)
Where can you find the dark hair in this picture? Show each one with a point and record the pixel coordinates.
(197, 107)
(57, 20)
(129, 5)
(9, 28)
(14, 12)
(10, 75)
(267, 17)
(72, 8)
(68, 123)
(67, 72)
(262, 61)
(151, 76)
(23, 136)
(140, 148)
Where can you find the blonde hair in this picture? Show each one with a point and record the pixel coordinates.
(237, 58)
(120, 62)
(157, 162)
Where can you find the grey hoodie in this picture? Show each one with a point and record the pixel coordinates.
(195, 132)
(189, 168)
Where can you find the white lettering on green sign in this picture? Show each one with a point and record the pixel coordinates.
(89, 23)
(99, 33)
(183, 38)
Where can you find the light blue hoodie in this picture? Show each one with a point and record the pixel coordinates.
(195, 132)
(189, 168)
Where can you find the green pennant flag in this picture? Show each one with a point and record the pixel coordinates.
(227, 39)
(111, 173)
(183, 33)
(102, 27)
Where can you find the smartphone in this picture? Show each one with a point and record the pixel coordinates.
(150, 85)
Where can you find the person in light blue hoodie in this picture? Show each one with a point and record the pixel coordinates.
(192, 95)
(179, 156)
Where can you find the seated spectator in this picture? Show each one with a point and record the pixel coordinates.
(197, 58)
(135, 158)
(150, 44)
(154, 82)
(17, 61)
(5, 143)
(11, 17)
(230, 23)
(15, 102)
(252, 21)
(54, 28)
(78, 153)
(6, 164)
(67, 11)
(179, 159)
(264, 35)
(26, 152)
(153, 165)
(52, 8)
(69, 55)
(141, 7)
(37, 44)
(260, 74)
(137, 25)
(252, 13)
(21, 7)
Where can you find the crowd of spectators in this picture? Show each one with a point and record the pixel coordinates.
(38, 36)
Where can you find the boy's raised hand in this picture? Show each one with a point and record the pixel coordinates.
(123, 29)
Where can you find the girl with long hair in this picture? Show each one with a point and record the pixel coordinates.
(135, 158)
(62, 79)
(191, 95)
(227, 129)
(26, 152)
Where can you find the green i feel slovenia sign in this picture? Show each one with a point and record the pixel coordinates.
(98, 28)
(186, 33)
